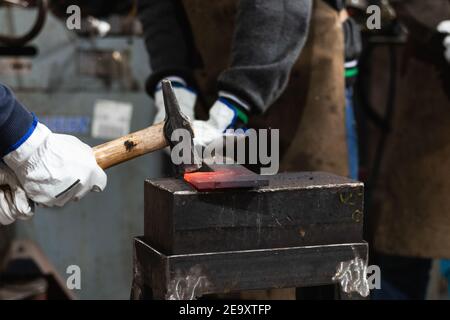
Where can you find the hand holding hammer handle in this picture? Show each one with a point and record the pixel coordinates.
(130, 146)
(150, 139)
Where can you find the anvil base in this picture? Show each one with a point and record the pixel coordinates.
(189, 276)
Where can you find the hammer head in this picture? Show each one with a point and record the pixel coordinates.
(175, 119)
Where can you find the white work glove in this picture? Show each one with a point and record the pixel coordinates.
(14, 203)
(444, 27)
(222, 116)
(55, 168)
(186, 99)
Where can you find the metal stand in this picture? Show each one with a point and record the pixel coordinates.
(190, 276)
(301, 230)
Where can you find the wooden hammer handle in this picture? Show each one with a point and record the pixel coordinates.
(130, 146)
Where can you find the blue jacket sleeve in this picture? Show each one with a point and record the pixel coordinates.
(16, 122)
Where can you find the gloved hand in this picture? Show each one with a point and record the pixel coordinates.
(186, 99)
(222, 116)
(54, 168)
(444, 27)
(14, 203)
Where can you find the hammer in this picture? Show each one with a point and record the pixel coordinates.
(150, 139)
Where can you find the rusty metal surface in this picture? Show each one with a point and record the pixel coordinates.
(193, 275)
(295, 209)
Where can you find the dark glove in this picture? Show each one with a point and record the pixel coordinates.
(353, 49)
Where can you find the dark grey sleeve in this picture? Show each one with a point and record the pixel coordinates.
(268, 39)
(168, 39)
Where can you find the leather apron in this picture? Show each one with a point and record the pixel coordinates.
(411, 200)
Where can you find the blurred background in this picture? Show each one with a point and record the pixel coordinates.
(71, 78)
(63, 76)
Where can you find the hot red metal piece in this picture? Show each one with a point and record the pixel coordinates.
(225, 177)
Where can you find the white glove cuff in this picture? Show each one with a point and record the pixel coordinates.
(15, 158)
(444, 27)
(221, 116)
(232, 97)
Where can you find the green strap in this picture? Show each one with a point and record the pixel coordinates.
(351, 72)
(241, 115)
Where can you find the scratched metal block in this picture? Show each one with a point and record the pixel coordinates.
(187, 277)
(295, 209)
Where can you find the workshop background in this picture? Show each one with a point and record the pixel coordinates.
(65, 83)
(72, 80)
